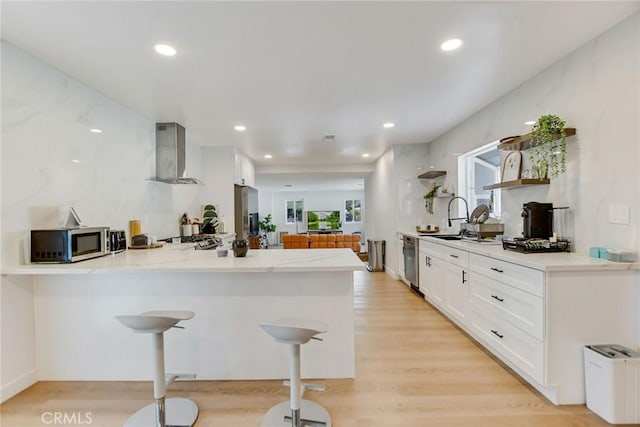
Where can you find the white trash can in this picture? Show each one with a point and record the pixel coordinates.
(612, 382)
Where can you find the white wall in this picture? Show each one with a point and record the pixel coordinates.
(46, 120)
(274, 203)
(381, 224)
(218, 176)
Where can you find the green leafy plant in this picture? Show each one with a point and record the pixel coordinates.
(209, 219)
(266, 225)
(428, 198)
(548, 147)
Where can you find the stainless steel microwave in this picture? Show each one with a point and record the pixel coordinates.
(62, 245)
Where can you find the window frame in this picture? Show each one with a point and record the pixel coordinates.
(353, 203)
(466, 179)
(297, 219)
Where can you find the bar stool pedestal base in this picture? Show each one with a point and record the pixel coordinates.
(312, 414)
(178, 412)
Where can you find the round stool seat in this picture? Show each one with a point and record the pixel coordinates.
(294, 331)
(154, 321)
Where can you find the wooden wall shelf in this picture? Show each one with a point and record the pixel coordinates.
(523, 142)
(432, 174)
(523, 182)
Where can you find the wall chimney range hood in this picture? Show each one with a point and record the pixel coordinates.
(170, 154)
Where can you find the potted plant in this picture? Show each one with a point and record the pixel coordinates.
(428, 198)
(268, 228)
(209, 219)
(548, 150)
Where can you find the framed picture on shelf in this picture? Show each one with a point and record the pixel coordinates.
(511, 167)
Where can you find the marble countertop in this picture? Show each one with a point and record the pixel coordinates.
(553, 261)
(183, 258)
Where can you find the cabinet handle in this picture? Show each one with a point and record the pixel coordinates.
(453, 256)
(497, 269)
(463, 278)
(497, 297)
(497, 334)
(427, 261)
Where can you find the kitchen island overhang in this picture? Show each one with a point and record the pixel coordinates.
(78, 337)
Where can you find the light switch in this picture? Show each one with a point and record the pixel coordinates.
(619, 214)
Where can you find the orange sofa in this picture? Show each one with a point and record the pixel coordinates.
(317, 241)
(295, 241)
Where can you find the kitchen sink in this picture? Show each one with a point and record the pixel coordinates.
(447, 236)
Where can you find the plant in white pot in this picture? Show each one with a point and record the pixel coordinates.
(268, 228)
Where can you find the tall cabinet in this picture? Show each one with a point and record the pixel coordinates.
(222, 167)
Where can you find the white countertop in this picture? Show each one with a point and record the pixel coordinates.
(183, 258)
(551, 261)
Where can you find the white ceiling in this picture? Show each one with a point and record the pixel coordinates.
(292, 71)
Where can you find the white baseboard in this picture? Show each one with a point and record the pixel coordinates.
(16, 386)
(391, 273)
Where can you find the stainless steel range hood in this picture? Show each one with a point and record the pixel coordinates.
(170, 154)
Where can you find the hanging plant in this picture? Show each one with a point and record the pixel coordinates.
(428, 198)
(548, 150)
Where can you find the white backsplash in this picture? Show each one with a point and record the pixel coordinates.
(46, 117)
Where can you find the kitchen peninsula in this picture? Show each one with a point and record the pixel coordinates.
(78, 338)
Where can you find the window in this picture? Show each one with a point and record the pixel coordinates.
(353, 211)
(476, 169)
(294, 211)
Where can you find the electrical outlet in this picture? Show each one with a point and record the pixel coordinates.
(619, 214)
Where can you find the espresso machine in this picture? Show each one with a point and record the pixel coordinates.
(537, 231)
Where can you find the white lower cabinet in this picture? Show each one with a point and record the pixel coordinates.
(520, 348)
(457, 292)
(537, 321)
(431, 274)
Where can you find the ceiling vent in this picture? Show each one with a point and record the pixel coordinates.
(328, 137)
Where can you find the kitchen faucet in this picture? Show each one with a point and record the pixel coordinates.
(449, 209)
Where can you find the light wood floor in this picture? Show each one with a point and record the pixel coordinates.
(413, 368)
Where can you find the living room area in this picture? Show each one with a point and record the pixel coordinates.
(327, 213)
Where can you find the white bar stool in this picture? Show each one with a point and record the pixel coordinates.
(175, 411)
(296, 412)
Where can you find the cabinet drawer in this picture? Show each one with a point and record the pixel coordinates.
(518, 347)
(429, 248)
(455, 256)
(524, 278)
(522, 309)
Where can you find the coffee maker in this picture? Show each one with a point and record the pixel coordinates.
(537, 220)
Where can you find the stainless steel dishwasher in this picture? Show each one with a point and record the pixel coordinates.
(410, 252)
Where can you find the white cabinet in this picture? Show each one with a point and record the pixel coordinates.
(431, 274)
(457, 292)
(536, 321)
(508, 311)
(244, 170)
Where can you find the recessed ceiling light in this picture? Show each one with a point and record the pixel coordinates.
(240, 128)
(95, 130)
(530, 122)
(165, 49)
(75, 161)
(451, 44)
(388, 125)
(268, 156)
(366, 155)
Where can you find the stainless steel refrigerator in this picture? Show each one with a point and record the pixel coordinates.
(246, 211)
